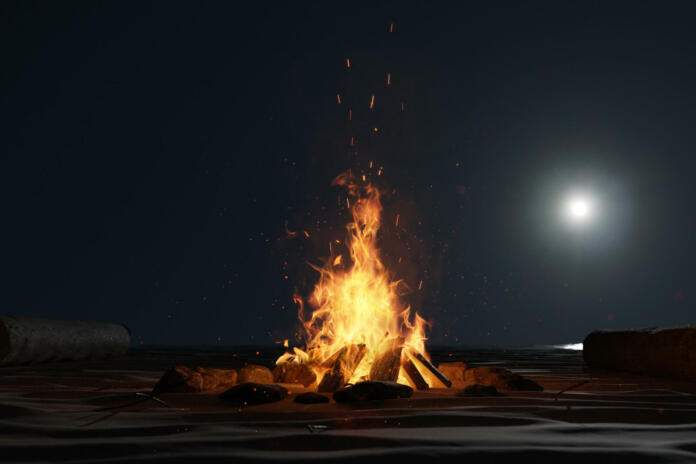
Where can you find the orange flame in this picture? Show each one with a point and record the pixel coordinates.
(358, 303)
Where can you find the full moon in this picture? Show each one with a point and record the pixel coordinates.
(578, 208)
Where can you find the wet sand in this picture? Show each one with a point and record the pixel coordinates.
(91, 412)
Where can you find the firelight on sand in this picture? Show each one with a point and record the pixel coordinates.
(356, 303)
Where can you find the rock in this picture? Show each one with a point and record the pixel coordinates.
(500, 378)
(519, 383)
(372, 390)
(255, 373)
(198, 379)
(478, 390)
(667, 351)
(250, 393)
(454, 371)
(311, 398)
(294, 373)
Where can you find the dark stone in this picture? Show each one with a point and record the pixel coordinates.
(668, 352)
(254, 393)
(478, 390)
(519, 383)
(311, 398)
(199, 379)
(372, 390)
(294, 373)
(501, 379)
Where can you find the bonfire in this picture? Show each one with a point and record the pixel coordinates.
(354, 324)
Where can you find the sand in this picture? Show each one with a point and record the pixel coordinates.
(91, 412)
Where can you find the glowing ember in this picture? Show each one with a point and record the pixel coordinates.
(359, 329)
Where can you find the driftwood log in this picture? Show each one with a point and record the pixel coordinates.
(33, 340)
(668, 352)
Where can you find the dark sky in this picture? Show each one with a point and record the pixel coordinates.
(154, 155)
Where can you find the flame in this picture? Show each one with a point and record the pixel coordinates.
(357, 303)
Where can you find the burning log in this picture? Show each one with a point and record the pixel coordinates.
(412, 375)
(386, 365)
(331, 361)
(32, 340)
(341, 366)
(425, 366)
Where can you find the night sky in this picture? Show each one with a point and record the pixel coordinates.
(155, 156)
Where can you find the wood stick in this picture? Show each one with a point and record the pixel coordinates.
(386, 365)
(344, 363)
(355, 355)
(331, 360)
(412, 375)
(420, 360)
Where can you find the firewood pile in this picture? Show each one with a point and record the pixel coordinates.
(393, 360)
